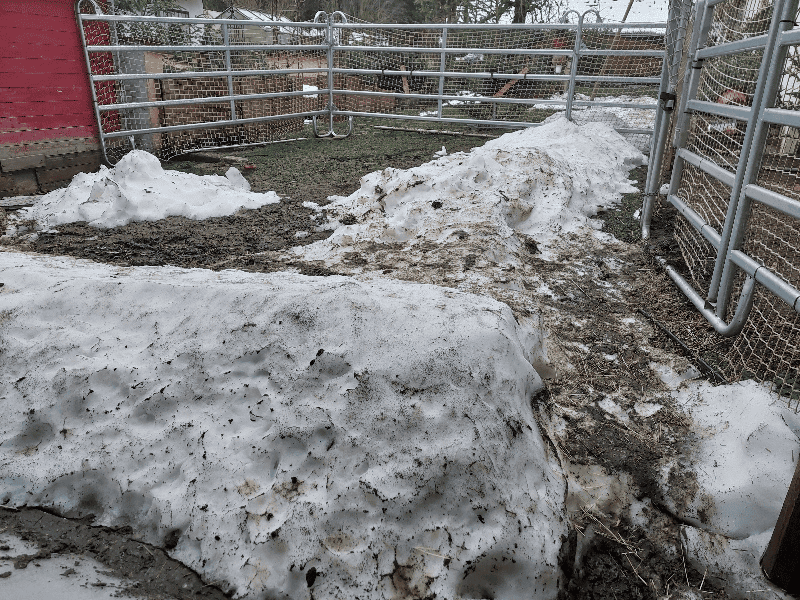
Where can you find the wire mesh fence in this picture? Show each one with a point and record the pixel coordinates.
(735, 180)
(173, 85)
(501, 75)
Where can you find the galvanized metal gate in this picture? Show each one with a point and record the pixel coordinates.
(735, 180)
(172, 85)
(720, 178)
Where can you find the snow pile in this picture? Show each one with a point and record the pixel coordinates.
(542, 182)
(732, 484)
(283, 434)
(138, 189)
(744, 460)
(617, 117)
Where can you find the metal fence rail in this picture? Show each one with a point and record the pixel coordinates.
(171, 85)
(735, 182)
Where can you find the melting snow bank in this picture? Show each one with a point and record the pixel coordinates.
(733, 482)
(283, 434)
(138, 189)
(542, 182)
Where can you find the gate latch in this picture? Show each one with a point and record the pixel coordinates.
(667, 101)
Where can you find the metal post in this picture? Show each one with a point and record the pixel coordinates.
(330, 73)
(442, 65)
(699, 36)
(227, 42)
(752, 148)
(657, 150)
(573, 69)
(89, 71)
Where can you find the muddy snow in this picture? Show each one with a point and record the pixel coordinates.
(441, 417)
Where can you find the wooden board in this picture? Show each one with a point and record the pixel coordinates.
(510, 84)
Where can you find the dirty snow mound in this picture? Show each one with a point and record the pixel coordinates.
(743, 463)
(286, 435)
(139, 189)
(731, 485)
(542, 182)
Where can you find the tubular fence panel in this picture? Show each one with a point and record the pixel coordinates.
(171, 85)
(735, 181)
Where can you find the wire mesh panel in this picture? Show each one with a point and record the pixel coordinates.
(514, 75)
(452, 73)
(157, 80)
(736, 184)
(172, 85)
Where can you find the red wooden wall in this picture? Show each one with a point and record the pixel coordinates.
(46, 117)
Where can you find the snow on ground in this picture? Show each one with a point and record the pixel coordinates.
(727, 486)
(379, 433)
(542, 182)
(289, 416)
(139, 189)
(618, 117)
(63, 576)
(739, 472)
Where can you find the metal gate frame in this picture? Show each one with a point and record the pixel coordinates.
(333, 25)
(744, 190)
(574, 54)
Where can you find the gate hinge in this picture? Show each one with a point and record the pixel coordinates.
(667, 101)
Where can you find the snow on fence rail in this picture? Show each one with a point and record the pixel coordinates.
(735, 178)
(171, 85)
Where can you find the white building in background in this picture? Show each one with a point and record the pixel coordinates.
(193, 7)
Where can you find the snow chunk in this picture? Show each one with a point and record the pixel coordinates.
(647, 409)
(139, 189)
(379, 432)
(731, 564)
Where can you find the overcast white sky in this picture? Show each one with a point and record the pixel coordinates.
(643, 11)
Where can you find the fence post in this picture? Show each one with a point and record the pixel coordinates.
(657, 150)
(573, 69)
(330, 73)
(782, 556)
(442, 64)
(692, 80)
(227, 43)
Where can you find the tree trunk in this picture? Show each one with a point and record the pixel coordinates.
(520, 11)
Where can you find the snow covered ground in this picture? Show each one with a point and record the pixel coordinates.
(377, 433)
(66, 576)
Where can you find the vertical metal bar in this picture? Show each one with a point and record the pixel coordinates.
(227, 43)
(691, 78)
(91, 77)
(573, 70)
(442, 65)
(691, 82)
(331, 42)
(657, 149)
(752, 148)
(118, 66)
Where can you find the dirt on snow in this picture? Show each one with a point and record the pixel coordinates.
(606, 556)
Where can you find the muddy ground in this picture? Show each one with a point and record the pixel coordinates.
(618, 559)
